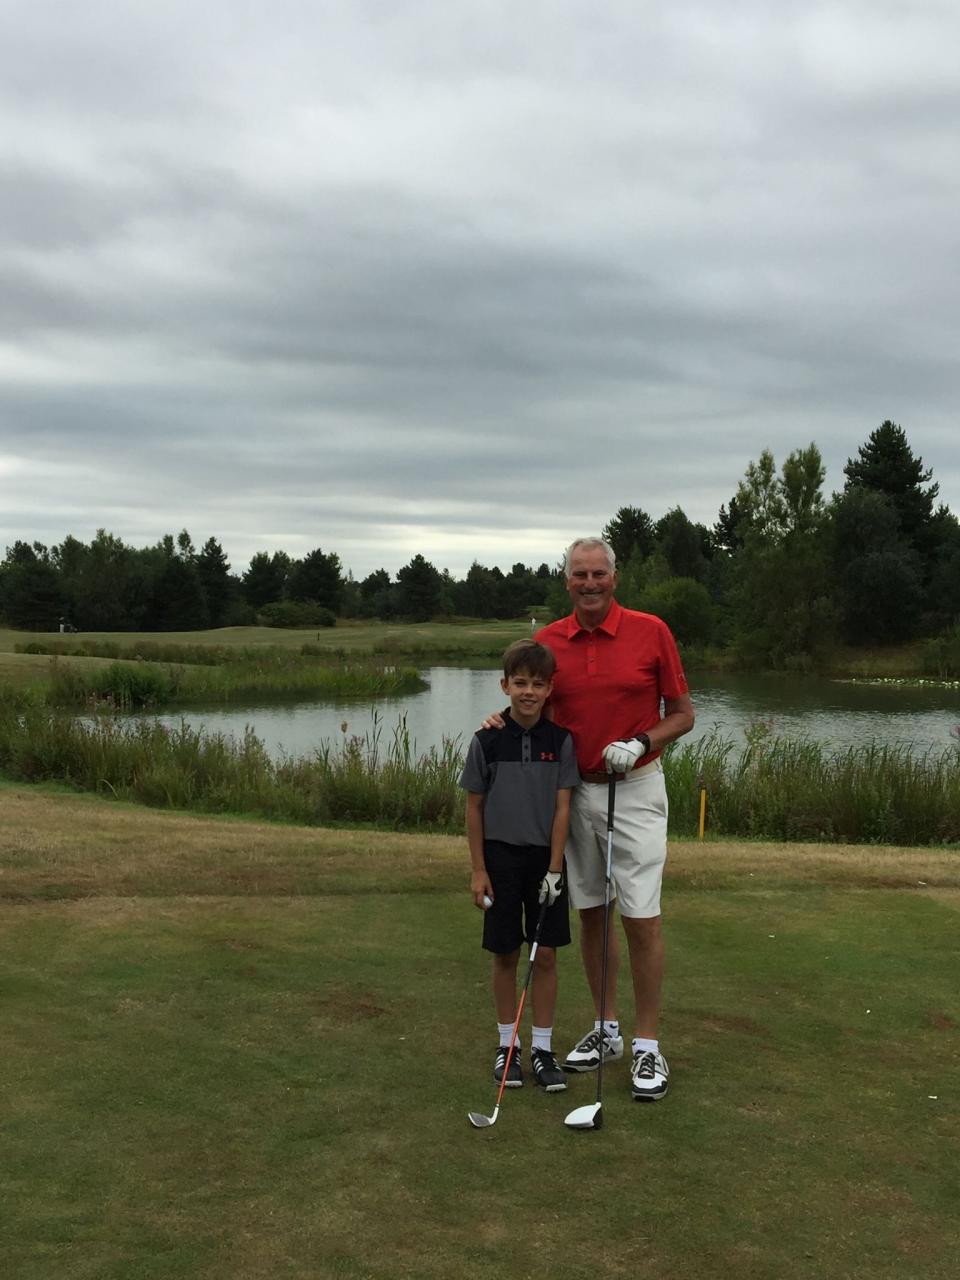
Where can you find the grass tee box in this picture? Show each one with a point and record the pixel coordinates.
(235, 1050)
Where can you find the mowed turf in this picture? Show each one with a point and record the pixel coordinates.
(239, 1050)
(348, 635)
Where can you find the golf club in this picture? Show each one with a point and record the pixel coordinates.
(476, 1119)
(591, 1115)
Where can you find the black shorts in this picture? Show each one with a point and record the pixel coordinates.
(516, 871)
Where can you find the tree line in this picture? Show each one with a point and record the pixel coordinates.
(783, 575)
(106, 585)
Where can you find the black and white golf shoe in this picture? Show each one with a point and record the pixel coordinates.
(514, 1075)
(585, 1054)
(546, 1071)
(648, 1076)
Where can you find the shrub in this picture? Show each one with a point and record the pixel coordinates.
(940, 656)
(294, 614)
(125, 686)
(685, 606)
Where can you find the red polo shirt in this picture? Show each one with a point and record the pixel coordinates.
(609, 681)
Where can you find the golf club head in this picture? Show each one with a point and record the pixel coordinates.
(482, 1122)
(587, 1117)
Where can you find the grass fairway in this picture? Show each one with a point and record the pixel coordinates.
(233, 1051)
(463, 640)
(22, 670)
(467, 637)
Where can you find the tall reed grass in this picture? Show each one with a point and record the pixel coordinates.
(774, 789)
(180, 652)
(783, 789)
(361, 780)
(136, 686)
(425, 652)
(202, 655)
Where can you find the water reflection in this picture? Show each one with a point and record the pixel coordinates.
(836, 713)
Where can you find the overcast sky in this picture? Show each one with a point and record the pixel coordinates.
(463, 276)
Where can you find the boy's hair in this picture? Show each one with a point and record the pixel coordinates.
(531, 658)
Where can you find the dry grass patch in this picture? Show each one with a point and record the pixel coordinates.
(695, 864)
(56, 844)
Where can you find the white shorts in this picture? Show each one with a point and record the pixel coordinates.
(639, 843)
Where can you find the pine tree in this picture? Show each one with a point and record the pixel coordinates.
(631, 529)
(265, 579)
(213, 571)
(318, 577)
(30, 591)
(421, 594)
(887, 464)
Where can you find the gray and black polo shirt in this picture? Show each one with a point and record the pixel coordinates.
(520, 772)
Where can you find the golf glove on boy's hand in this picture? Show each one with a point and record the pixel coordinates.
(551, 887)
(622, 756)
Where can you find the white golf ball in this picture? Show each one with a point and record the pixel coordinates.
(487, 901)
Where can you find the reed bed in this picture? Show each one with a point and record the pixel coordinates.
(460, 650)
(777, 789)
(362, 780)
(136, 686)
(202, 655)
(794, 789)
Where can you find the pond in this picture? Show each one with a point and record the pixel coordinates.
(833, 712)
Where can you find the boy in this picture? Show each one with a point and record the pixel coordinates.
(518, 807)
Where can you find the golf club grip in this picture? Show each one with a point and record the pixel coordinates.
(611, 800)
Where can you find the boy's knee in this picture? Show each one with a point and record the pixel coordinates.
(546, 959)
(506, 959)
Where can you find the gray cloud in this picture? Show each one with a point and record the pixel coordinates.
(462, 279)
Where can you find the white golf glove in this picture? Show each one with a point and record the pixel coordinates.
(622, 756)
(551, 887)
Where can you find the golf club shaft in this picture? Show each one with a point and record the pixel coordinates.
(611, 801)
(534, 945)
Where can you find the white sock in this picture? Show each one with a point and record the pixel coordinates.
(506, 1031)
(611, 1026)
(640, 1045)
(542, 1038)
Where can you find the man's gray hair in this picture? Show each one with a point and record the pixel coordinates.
(589, 543)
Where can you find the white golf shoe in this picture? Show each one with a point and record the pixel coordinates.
(585, 1054)
(648, 1076)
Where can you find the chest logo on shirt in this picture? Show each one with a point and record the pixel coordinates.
(547, 755)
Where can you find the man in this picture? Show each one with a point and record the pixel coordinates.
(614, 666)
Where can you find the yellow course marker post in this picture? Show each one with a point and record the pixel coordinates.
(703, 809)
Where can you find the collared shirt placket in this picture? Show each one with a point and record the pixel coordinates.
(592, 653)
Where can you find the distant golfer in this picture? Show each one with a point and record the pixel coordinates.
(614, 666)
(518, 781)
